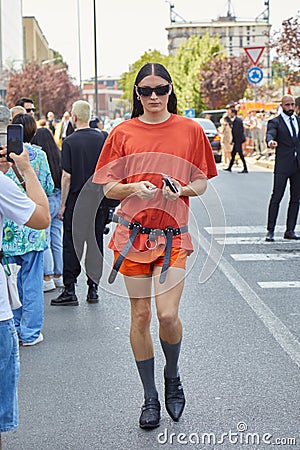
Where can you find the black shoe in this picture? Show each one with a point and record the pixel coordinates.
(227, 169)
(174, 398)
(150, 415)
(66, 298)
(270, 236)
(92, 296)
(244, 171)
(291, 235)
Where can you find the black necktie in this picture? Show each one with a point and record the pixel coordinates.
(293, 127)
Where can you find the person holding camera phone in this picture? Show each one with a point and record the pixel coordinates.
(151, 241)
(30, 210)
(25, 246)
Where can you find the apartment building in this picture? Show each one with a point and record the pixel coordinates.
(234, 35)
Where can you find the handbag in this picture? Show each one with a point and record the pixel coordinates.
(11, 271)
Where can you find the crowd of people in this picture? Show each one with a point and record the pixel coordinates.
(63, 189)
(255, 124)
(277, 133)
(43, 253)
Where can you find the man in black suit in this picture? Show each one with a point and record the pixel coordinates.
(283, 136)
(238, 137)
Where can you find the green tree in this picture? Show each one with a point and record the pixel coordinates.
(127, 78)
(48, 85)
(185, 67)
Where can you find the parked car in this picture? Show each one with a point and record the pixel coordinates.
(213, 136)
(214, 115)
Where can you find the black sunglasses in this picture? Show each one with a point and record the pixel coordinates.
(28, 110)
(146, 91)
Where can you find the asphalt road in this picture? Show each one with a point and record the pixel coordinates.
(240, 360)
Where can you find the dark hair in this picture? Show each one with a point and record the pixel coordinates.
(44, 138)
(160, 71)
(29, 125)
(23, 100)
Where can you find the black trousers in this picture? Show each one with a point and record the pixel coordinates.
(280, 182)
(237, 148)
(84, 222)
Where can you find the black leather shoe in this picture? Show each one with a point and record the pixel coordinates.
(244, 171)
(227, 169)
(270, 236)
(92, 296)
(150, 415)
(66, 298)
(291, 235)
(174, 398)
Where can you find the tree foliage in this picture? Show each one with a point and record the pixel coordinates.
(286, 43)
(49, 85)
(127, 78)
(185, 67)
(223, 79)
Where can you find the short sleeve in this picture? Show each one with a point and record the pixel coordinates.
(66, 161)
(203, 162)
(110, 165)
(14, 204)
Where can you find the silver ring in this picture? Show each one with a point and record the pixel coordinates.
(152, 246)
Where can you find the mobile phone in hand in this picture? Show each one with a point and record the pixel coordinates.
(169, 183)
(14, 140)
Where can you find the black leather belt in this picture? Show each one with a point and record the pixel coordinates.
(137, 228)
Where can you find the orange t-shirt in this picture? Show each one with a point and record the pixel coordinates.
(135, 151)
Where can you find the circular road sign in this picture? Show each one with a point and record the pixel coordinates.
(255, 75)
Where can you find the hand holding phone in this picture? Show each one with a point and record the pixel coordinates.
(170, 183)
(14, 140)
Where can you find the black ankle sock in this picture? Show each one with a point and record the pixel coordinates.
(171, 352)
(146, 371)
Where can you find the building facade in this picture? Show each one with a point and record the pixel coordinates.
(36, 46)
(234, 36)
(109, 96)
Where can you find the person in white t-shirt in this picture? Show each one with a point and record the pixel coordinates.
(32, 210)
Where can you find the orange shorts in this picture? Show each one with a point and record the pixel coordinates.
(132, 268)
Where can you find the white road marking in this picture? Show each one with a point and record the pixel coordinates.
(259, 229)
(278, 284)
(250, 240)
(279, 331)
(264, 256)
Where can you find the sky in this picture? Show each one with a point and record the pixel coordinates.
(125, 29)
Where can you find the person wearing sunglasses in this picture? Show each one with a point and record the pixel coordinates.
(27, 104)
(153, 163)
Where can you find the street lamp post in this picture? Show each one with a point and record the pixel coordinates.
(79, 48)
(95, 55)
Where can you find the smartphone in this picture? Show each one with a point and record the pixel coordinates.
(14, 140)
(169, 183)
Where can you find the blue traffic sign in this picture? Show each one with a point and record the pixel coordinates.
(255, 75)
(189, 113)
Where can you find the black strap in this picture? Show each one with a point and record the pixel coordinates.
(1, 255)
(136, 228)
(167, 255)
(123, 253)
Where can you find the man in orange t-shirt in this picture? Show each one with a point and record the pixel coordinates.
(151, 241)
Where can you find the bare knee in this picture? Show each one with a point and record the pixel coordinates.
(168, 319)
(141, 317)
